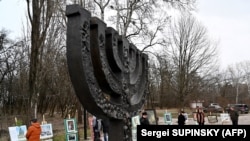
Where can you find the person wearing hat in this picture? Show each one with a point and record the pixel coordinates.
(34, 131)
(144, 119)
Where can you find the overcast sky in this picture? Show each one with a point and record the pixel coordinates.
(11, 14)
(227, 21)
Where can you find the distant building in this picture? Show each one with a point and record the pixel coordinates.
(195, 104)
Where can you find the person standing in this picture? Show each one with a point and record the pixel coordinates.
(181, 118)
(200, 116)
(105, 128)
(34, 131)
(144, 119)
(234, 115)
(96, 128)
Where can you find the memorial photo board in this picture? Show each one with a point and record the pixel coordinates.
(71, 137)
(71, 129)
(135, 120)
(212, 118)
(47, 131)
(70, 125)
(134, 134)
(168, 118)
(225, 117)
(17, 133)
(152, 116)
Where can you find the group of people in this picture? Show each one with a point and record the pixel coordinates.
(200, 117)
(34, 130)
(100, 126)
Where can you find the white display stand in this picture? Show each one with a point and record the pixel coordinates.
(47, 132)
(17, 133)
(225, 118)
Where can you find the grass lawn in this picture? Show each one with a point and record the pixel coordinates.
(62, 135)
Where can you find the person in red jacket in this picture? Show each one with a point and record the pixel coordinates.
(34, 131)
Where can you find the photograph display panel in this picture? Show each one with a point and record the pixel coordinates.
(47, 131)
(70, 125)
(71, 137)
(212, 118)
(168, 118)
(17, 133)
(135, 121)
(225, 117)
(152, 116)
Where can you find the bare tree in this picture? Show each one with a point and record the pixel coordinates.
(143, 22)
(188, 5)
(44, 43)
(246, 69)
(49, 82)
(102, 4)
(165, 73)
(236, 77)
(192, 54)
(40, 13)
(12, 63)
(153, 97)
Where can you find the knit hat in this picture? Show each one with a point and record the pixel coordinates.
(33, 120)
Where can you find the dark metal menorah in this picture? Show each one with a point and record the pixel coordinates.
(108, 73)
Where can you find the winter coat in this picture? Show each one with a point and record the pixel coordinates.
(144, 121)
(234, 115)
(34, 132)
(105, 125)
(200, 117)
(181, 119)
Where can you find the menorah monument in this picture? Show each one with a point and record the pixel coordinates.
(108, 73)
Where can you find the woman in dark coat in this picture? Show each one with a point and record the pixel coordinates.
(144, 119)
(181, 118)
